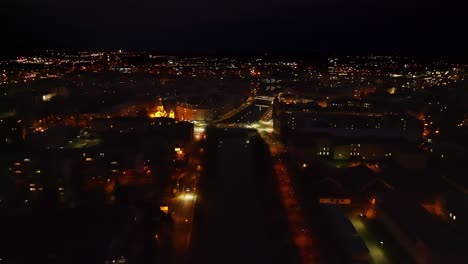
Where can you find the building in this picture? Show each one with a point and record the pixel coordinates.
(159, 111)
(204, 107)
(349, 104)
(355, 186)
(39, 179)
(120, 124)
(52, 137)
(11, 131)
(190, 112)
(409, 157)
(319, 146)
(162, 125)
(349, 124)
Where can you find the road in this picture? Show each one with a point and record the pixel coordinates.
(235, 111)
(250, 114)
(181, 209)
(298, 227)
(375, 249)
(239, 216)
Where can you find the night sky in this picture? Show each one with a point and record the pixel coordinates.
(240, 26)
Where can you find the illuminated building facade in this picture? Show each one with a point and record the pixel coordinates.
(159, 111)
(195, 113)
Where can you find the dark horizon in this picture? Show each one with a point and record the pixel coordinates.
(297, 28)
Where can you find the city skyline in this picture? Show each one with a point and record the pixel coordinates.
(250, 131)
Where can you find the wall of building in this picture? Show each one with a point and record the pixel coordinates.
(195, 114)
(409, 159)
(349, 125)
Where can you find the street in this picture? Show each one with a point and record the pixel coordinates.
(181, 209)
(239, 215)
(375, 248)
(298, 227)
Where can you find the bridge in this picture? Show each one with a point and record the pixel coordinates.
(265, 98)
(263, 101)
(251, 111)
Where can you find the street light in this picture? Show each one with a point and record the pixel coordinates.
(189, 197)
